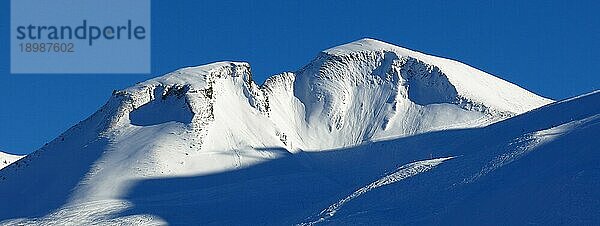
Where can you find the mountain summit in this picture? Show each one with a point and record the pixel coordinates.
(208, 145)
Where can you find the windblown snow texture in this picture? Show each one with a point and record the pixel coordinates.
(361, 134)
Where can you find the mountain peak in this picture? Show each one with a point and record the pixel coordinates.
(361, 59)
(170, 141)
(367, 45)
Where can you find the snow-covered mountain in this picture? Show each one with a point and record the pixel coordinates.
(364, 132)
(6, 159)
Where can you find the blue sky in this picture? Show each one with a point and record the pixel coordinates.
(548, 47)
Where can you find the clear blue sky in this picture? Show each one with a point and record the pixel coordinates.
(548, 47)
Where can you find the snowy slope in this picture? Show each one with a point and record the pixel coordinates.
(207, 144)
(537, 168)
(6, 159)
(371, 90)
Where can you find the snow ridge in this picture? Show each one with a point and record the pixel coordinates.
(401, 173)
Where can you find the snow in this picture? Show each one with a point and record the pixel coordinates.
(394, 92)
(537, 168)
(6, 159)
(469, 82)
(365, 126)
(403, 172)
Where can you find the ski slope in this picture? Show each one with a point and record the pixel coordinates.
(207, 145)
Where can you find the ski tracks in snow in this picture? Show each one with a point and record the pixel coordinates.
(401, 173)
